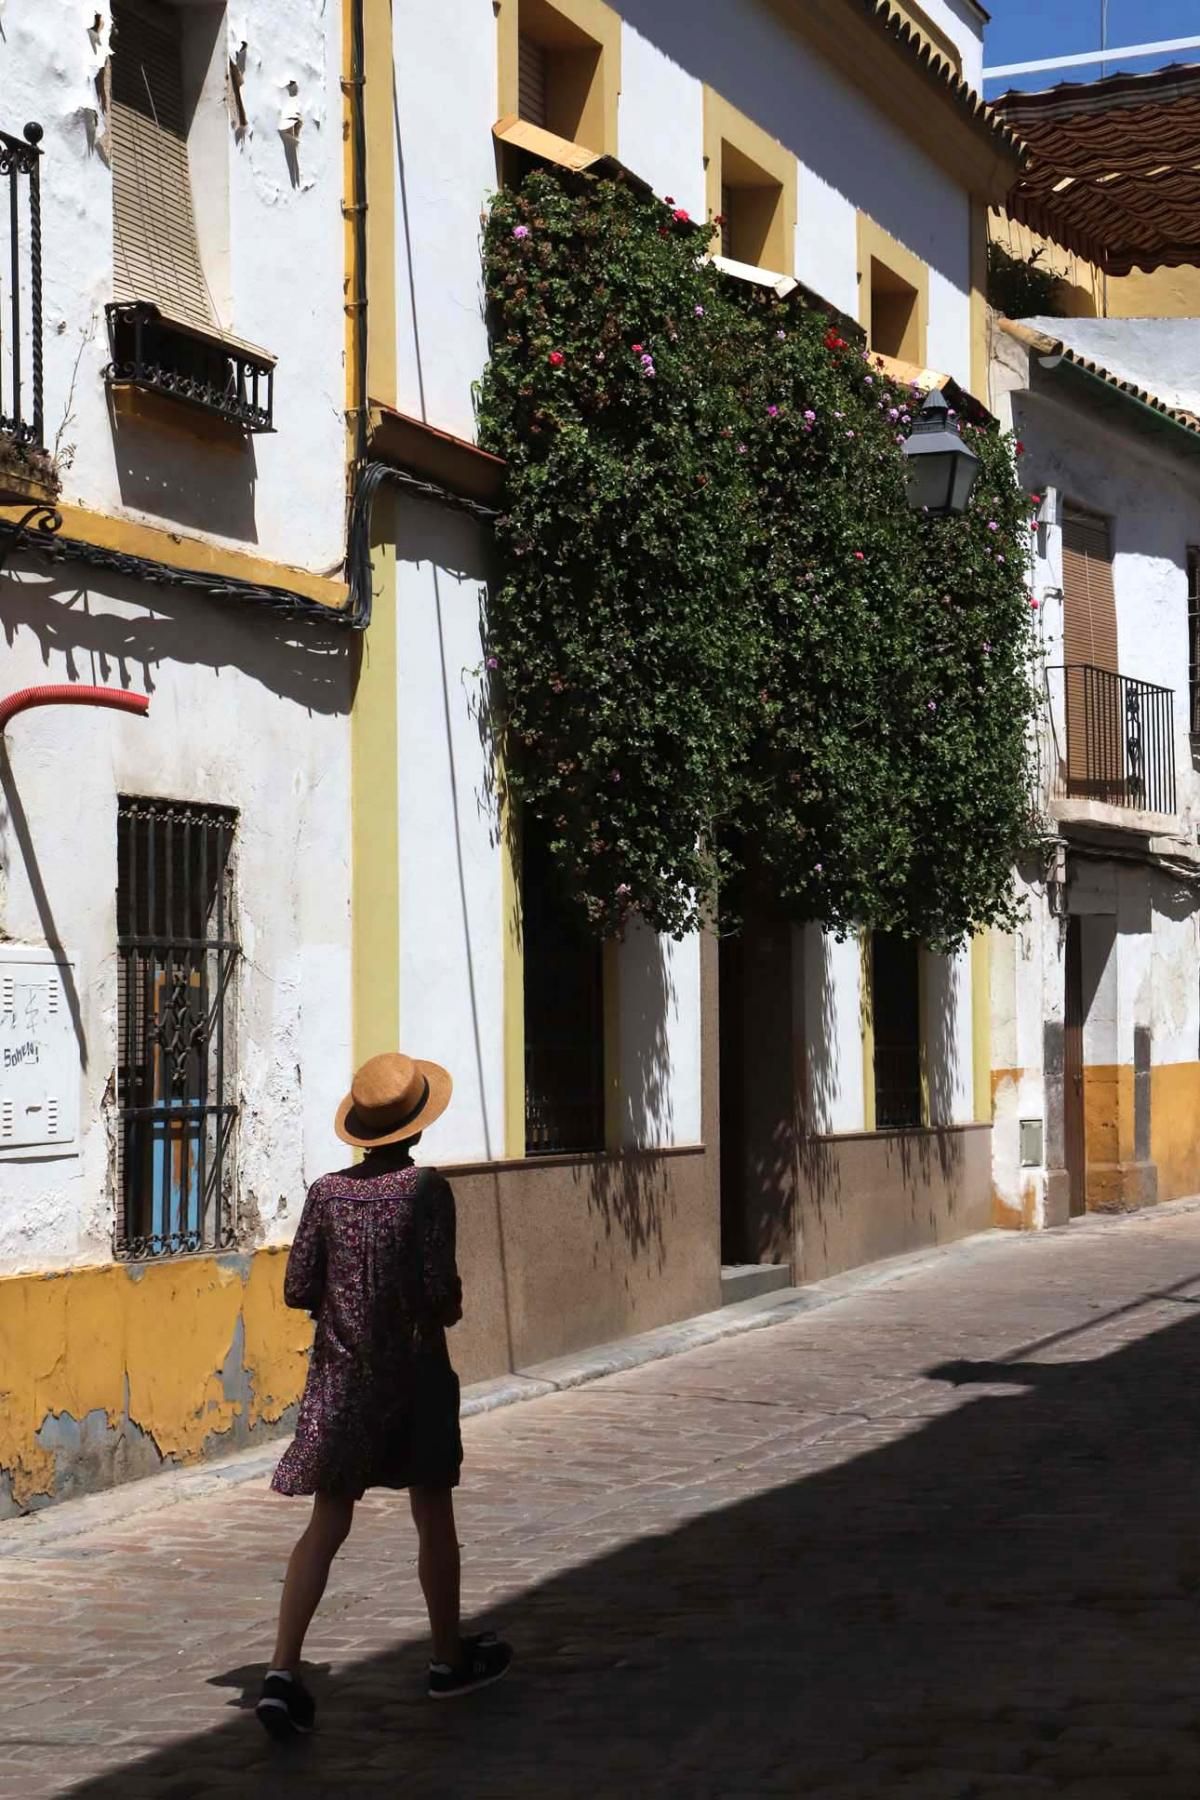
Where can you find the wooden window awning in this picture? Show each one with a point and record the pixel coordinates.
(422, 450)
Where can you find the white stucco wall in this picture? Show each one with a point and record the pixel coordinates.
(1161, 355)
(244, 713)
(659, 1008)
(451, 919)
(282, 237)
(833, 1031)
(1139, 928)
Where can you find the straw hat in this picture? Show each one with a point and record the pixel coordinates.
(391, 1099)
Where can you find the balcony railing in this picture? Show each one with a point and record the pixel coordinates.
(189, 363)
(1113, 739)
(21, 411)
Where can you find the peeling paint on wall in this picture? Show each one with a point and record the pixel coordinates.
(109, 1374)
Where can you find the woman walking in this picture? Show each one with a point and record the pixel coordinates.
(373, 1262)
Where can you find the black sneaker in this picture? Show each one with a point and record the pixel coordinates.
(285, 1706)
(484, 1660)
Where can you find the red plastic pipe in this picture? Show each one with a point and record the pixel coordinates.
(117, 698)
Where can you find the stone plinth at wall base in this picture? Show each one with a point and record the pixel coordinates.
(1121, 1187)
(1057, 1197)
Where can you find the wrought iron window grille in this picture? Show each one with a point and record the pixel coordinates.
(564, 1016)
(21, 409)
(176, 1096)
(896, 1019)
(220, 375)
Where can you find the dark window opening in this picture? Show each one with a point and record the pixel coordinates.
(564, 1014)
(176, 1096)
(896, 1015)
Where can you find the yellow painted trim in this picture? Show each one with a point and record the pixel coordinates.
(374, 721)
(375, 801)
(90, 1341)
(513, 943)
(379, 125)
(598, 113)
(866, 1016)
(724, 124)
(981, 1024)
(980, 347)
(179, 550)
(613, 1133)
(876, 244)
(354, 323)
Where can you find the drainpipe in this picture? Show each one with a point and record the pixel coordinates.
(116, 698)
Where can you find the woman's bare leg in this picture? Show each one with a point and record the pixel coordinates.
(307, 1573)
(438, 1568)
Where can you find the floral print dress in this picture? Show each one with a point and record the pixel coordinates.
(373, 1261)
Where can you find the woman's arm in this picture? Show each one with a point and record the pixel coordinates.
(442, 1287)
(304, 1282)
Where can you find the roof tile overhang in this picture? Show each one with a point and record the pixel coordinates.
(959, 131)
(1114, 169)
(1136, 402)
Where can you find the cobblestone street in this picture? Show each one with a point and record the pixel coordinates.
(938, 1539)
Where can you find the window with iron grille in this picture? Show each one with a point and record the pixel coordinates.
(1193, 574)
(176, 1094)
(896, 1016)
(564, 1015)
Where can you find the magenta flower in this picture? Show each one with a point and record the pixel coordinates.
(493, 662)
(699, 311)
(772, 412)
(933, 706)
(781, 334)
(992, 525)
(520, 231)
(811, 416)
(741, 450)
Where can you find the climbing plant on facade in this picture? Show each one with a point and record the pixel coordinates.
(718, 623)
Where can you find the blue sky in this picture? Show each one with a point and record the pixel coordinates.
(1022, 30)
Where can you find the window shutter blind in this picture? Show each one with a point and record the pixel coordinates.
(1089, 602)
(1095, 724)
(155, 251)
(531, 81)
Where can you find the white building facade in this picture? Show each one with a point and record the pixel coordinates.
(1097, 1006)
(174, 907)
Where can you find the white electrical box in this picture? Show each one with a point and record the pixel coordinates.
(39, 1054)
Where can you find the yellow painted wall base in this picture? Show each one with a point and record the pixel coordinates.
(1175, 1128)
(110, 1372)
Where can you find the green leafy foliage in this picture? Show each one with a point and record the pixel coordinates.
(719, 625)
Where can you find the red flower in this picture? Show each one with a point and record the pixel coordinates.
(681, 215)
(664, 231)
(1019, 447)
(556, 359)
(719, 219)
(859, 557)
(668, 199)
(636, 348)
(833, 341)
(1035, 499)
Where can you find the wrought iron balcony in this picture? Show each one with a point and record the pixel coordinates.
(26, 472)
(189, 363)
(1113, 740)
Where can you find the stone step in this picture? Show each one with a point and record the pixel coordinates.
(746, 1281)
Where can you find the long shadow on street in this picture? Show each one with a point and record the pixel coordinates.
(1000, 1603)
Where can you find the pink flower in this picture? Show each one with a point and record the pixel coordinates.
(859, 557)
(624, 891)
(493, 662)
(741, 450)
(699, 311)
(614, 775)
(933, 706)
(637, 349)
(817, 868)
(556, 359)
(781, 334)
(772, 412)
(681, 215)
(893, 413)
(520, 231)
(810, 416)
(1033, 603)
